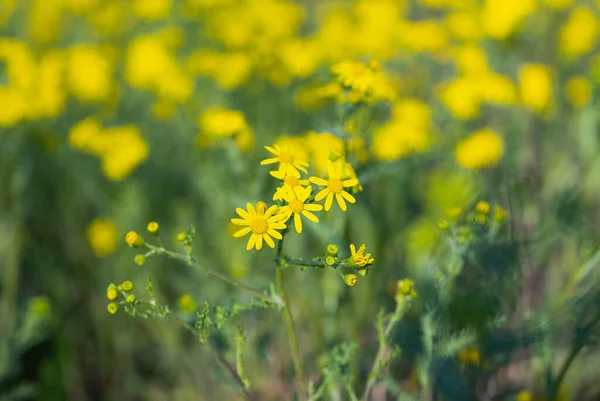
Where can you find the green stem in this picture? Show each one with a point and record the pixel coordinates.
(219, 356)
(291, 330)
(227, 279)
(378, 364)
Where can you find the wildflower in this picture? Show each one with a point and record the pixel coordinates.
(499, 214)
(501, 17)
(140, 259)
(480, 219)
(335, 186)
(111, 292)
(127, 285)
(330, 260)
(102, 236)
(153, 228)
(482, 207)
(363, 271)
(332, 250)
(130, 299)
(483, 148)
(364, 82)
(350, 279)
(406, 288)
(181, 237)
(469, 355)
(290, 183)
(358, 258)
(535, 84)
(579, 34)
(186, 303)
(443, 224)
(112, 308)
(453, 213)
(289, 164)
(524, 396)
(152, 9)
(90, 73)
(297, 206)
(579, 91)
(134, 240)
(262, 226)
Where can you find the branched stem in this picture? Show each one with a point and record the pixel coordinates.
(227, 279)
(232, 371)
(291, 330)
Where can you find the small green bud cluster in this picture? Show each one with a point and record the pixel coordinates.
(466, 227)
(119, 294)
(405, 291)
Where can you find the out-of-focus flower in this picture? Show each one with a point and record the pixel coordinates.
(558, 4)
(152, 9)
(320, 146)
(578, 91)
(366, 82)
(502, 17)
(427, 36)
(90, 73)
(186, 303)
(469, 356)
(580, 33)
(102, 237)
(471, 60)
(535, 86)
(261, 224)
(45, 20)
(217, 123)
(464, 25)
(483, 148)
(230, 70)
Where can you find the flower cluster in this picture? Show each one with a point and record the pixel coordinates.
(120, 294)
(466, 227)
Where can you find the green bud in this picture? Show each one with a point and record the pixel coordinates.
(330, 260)
(153, 228)
(363, 271)
(181, 237)
(140, 259)
(112, 308)
(130, 299)
(127, 286)
(332, 250)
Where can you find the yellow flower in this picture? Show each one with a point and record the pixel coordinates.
(102, 237)
(363, 80)
(501, 17)
(90, 73)
(263, 226)
(350, 279)
(152, 9)
(335, 186)
(358, 258)
(558, 4)
(406, 288)
(482, 207)
(469, 355)
(287, 157)
(535, 84)
(579, 91)
(579, 34)
(483, 148)
(186, 303)
(524, 396)
(290, 183)
(297, 206)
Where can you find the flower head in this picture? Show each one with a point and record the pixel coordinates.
(262, 225)
(287, 157)
(296, 206)
(290, 183)
(358, 258)
(483, 148)
(334, 186)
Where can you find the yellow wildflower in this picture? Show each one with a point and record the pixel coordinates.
(90, 73)
(501, 17)
(406, 288)
(579, 91)
(524, 396)
(335, 186)
(152, 9)
(483, 148)
(287, 157)
(263, 226)
(102, 236)
(290, 183)
(296, 205)
(350, 279)
(358, 258)
(579, 34)
(482, 207)
(535, 85)
(186, 303)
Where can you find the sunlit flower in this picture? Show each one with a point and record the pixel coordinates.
(287, 157)
(580, 33)
(335, 186)
(579, 91)
(262, 226)
(483, 148)
(535, 85)
(502, 17)
(296, 205)
(102, 236)
(359, 258)
(290, 183)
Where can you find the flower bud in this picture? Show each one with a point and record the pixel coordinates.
(350, 280)
(140, 259)
(363, 271)
(153, 228)
(261, 208)
(112, 308)
(330, 260)
(127, 286)
(134, 240)
(111, 292)
(405, 287)
(332, 250)
(181, 237)
(130, 299)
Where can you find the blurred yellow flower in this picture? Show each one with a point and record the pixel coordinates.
(471, 59)
(578, 91)
(535, 86)
(464, 25)
(296, 206)
(558, 4)
(580, 33)
(361, 78)
(80, 6)
(502, 17)
(186, 303)
(90, 73)
(320, 146)
(483, 148)
(45, 20)
(524, 396)
(217, 123)
(229, 70)
(102, 236)
(422, 36)
(262, 225)
(470, 356)
(334, 186)
(152, 9)
(287, 157)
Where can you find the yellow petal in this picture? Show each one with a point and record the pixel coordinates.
(348, 197)
(269, 161)
(318, 181)
(251, 241)
(298, 222)
(322, 193)
(290, 170)
(242, 232)
(328, 202)
(240, 222)
(350, 183)
(277, 226)
(330, 169)
(274, 234)
(310, 216)
(352, 249)
(313, 207)
(270, 211)
(251, 209)
(272, 150)
(242, 213)
(341, 202)
(268, 240)
(259, 242)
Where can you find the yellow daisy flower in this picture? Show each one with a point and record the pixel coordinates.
(335, 186)
(290, 183)
(262, 224)
(359, 258)
(287, 157)
(296, 206)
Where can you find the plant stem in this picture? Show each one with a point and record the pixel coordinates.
(379, 362)
(291, 330)
(300, 262)
(227, 279)
(247, 393)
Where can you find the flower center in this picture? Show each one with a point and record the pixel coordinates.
(296, 206)
(291, 181)
(259, 226)
(285, 158)
(335, 185)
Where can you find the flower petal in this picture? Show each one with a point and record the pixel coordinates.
(270, 211)
(240, 222)
(272, 150)
(278, 226)
(269, 161)
(297, 223)
(350, 183)
(352, 249)
(341, 202)
(242, 232)
(251, 209)
(330, 169)
(259, 242)
(274, 234)
(242, 212)
(268, 240)
(348, 197)
(310, 216)
(318, 181)
(328, 202)
(322, 193)
(251, 241)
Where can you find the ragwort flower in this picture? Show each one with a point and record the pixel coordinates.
(290, 183)
(297, 206)
(262, 224)
(359, 258)
(335, 186)
(287, 157)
